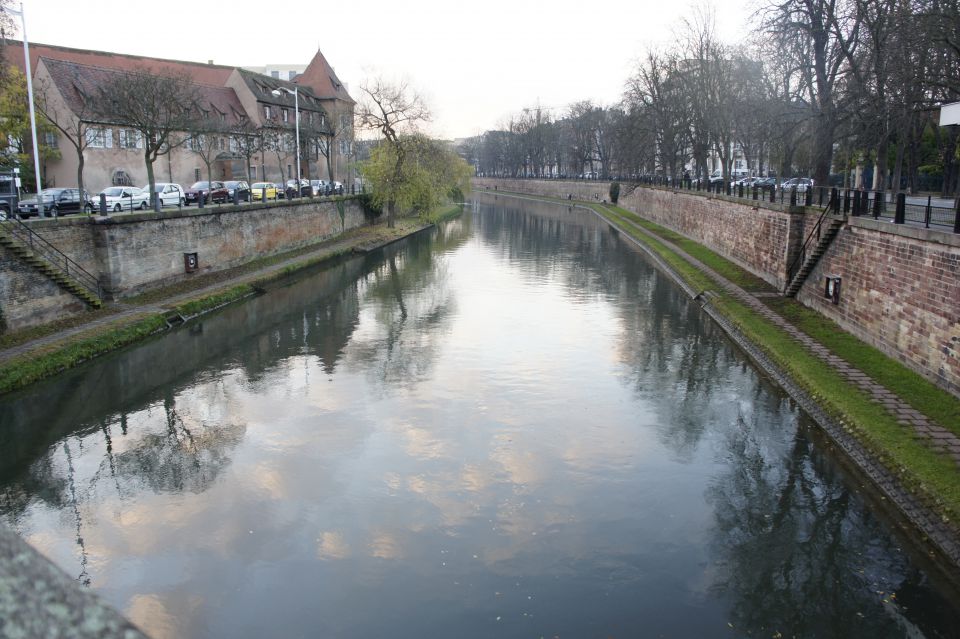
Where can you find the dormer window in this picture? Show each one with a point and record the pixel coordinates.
(266, 112)
(285, 115)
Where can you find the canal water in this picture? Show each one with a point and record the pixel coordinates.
(508, 426)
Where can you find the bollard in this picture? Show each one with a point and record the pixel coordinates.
(236, 197)
(773, 196)
(956, 217)
(900, 216)
(793, 197)
(756, 192)
(200, 199)
(740, 190)
(846, 200)
(877, 204)
(808, 200)
(263, 195)
(103, 205)
(729, 188)
(835, 200)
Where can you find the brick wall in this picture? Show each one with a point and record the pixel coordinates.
(900, 292)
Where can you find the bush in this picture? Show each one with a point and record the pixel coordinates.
(614, 192)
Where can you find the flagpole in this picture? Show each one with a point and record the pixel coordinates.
(33, 116)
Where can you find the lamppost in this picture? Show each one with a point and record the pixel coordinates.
(296, 118)
(33, 117)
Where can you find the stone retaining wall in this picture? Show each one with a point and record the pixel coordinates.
(132, 253)
(899, 291)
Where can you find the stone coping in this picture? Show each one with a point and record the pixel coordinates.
(946, 237)
(37, 599)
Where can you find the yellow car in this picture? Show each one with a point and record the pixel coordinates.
(256, 191)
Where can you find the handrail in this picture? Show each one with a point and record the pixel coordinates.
(801, 256)
(51, 253)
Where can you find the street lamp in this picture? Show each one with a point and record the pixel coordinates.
(33, 117)
(296, 118)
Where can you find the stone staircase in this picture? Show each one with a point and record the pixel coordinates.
(59, 275)
(829, 232)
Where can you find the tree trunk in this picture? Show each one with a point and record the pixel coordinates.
(897, 167)
(880, 166)
(391, 213)
(151, 180)
(83, 203)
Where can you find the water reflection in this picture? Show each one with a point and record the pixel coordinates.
(509, 426)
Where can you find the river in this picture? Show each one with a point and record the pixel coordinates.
(511, 425)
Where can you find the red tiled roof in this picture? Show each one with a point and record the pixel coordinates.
(77, 81)
(211, 74)
(320, 77)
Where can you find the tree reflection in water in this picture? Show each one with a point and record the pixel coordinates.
(798, 554)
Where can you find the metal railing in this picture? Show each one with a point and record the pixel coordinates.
(833, 206)
(57, 258)
(900, 208)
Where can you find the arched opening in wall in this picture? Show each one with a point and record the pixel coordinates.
(121, 178)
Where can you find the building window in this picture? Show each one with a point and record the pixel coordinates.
(275, 74)
(285, 115)
(129, 139)
(233, 145)
(290, 170)
(252, 172)
(266, 112)
(50, 140)
(99, 138)
(196, 175)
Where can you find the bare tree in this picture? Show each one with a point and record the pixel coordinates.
(160, 107)
(76, 124)
(339, 124)
(392, 110)
(207, 139)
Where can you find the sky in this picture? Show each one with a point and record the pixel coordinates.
(475, 63)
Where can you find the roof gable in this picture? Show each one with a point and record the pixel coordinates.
(320, 77)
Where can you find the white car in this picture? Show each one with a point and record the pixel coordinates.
(170, 194)
(123, 198)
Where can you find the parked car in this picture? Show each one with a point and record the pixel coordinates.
(120, 198)
(337, 188)
(9, 194)
(305, 188)
(320, 187)
(746, 182)
(799, 184)
(238, 185)
(55, 202)
(766, 184)
(256, 191)
(716, 176)
(281, 192)
(212, 192)
(170, 194)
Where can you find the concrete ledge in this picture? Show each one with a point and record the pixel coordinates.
(945, 237)
(37, 599)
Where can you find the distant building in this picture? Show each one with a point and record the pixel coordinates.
(243, 100)
(279, 71)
